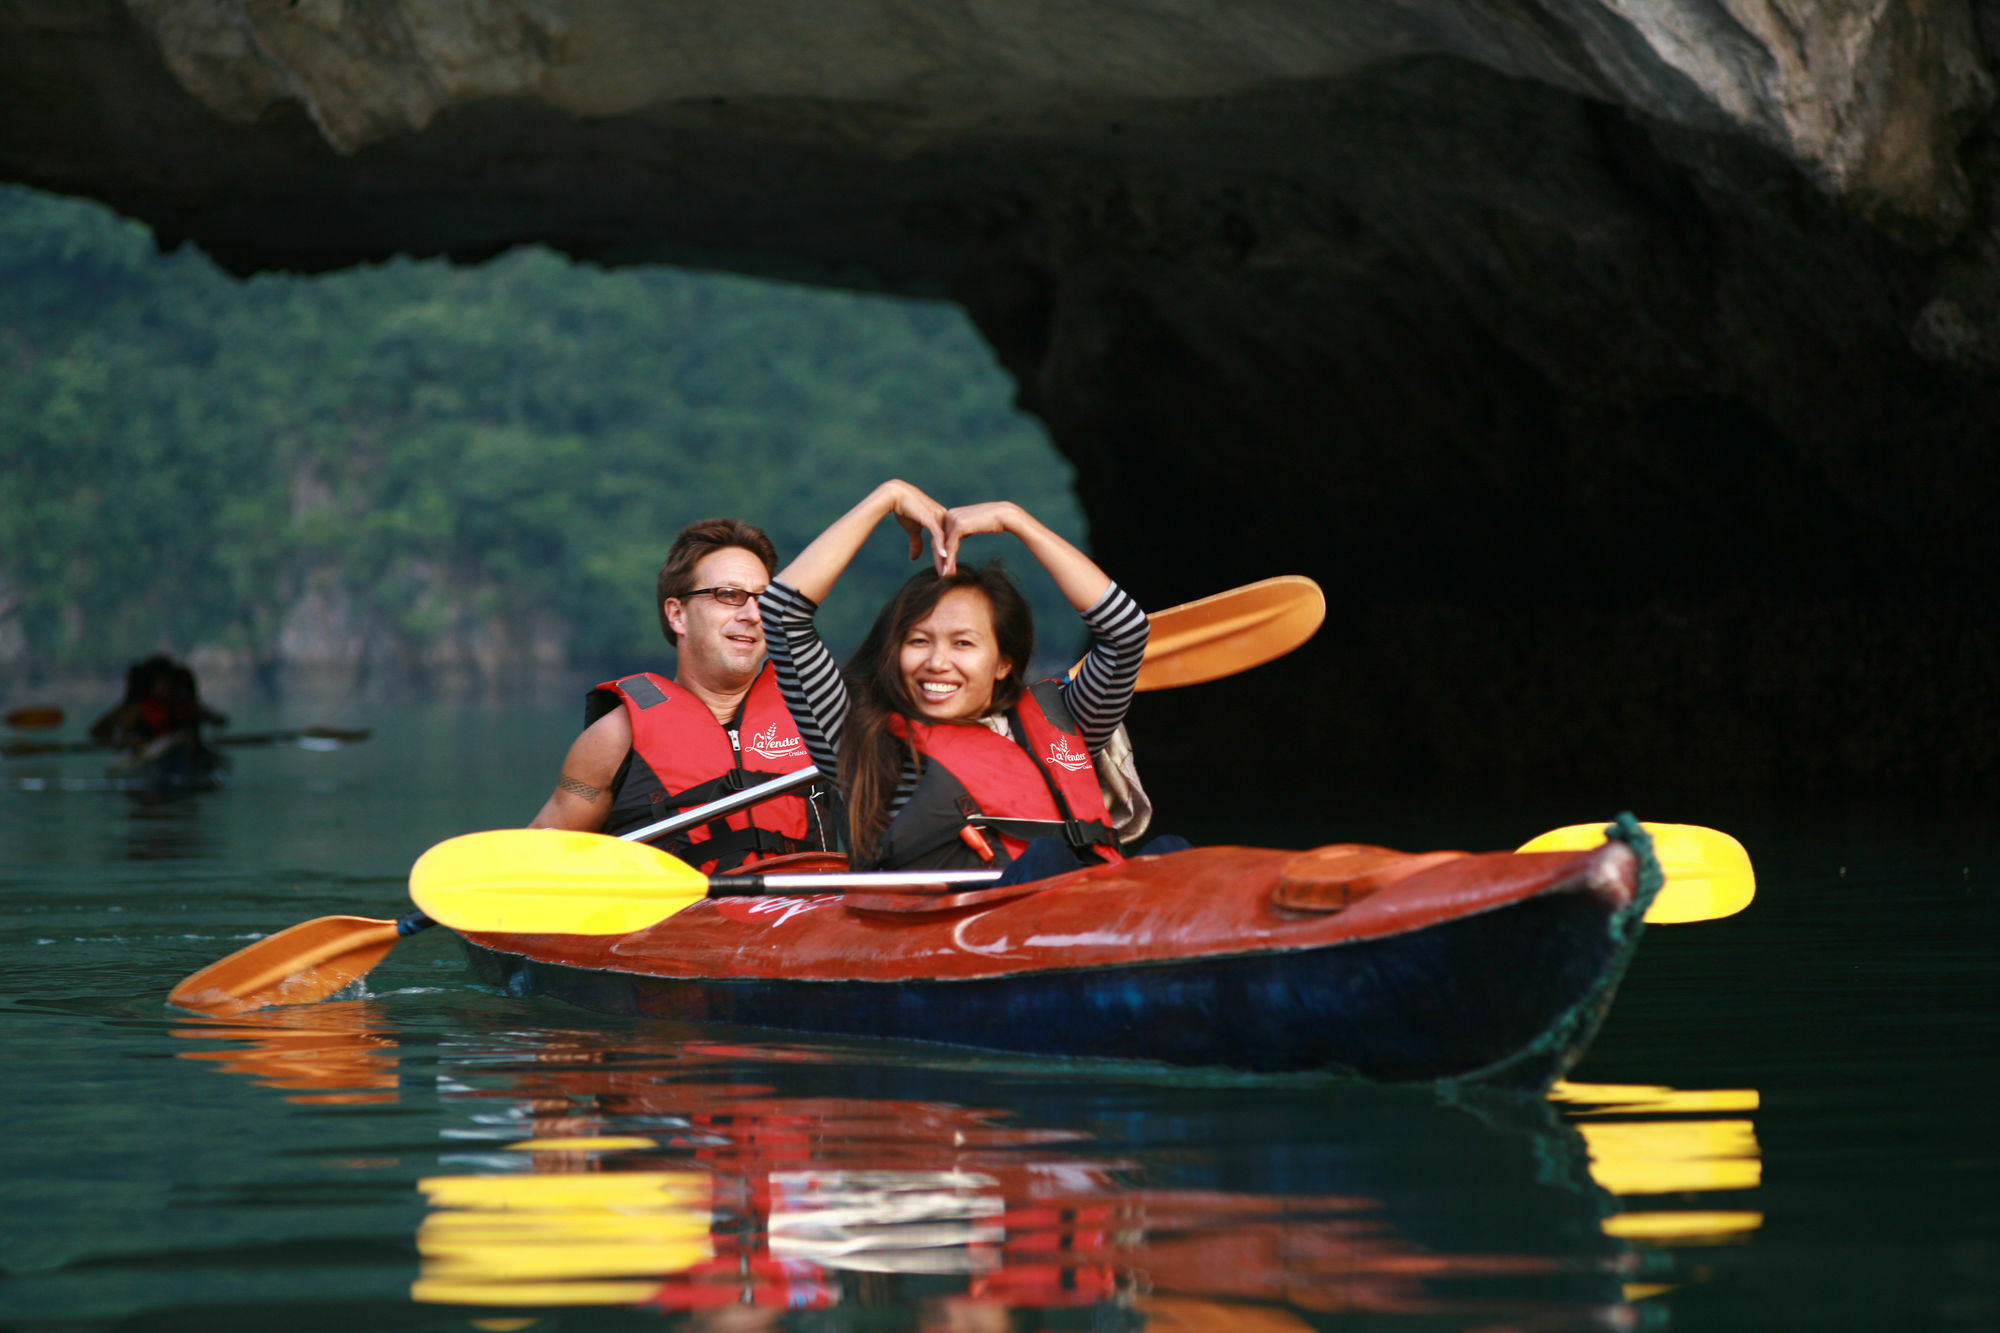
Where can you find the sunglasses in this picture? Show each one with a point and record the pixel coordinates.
(726, 596)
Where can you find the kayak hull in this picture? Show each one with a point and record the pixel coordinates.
(1496, 968)
(171, 769)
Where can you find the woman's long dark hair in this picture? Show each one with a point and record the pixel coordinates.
(871, 756)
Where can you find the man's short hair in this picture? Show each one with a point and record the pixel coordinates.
(698, 541)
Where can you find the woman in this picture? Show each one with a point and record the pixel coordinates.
(948, 758)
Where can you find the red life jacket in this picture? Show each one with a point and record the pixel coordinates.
(152, 718)
(682, 757)
(1040, 784)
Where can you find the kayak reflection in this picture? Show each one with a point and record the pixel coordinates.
(733, 1183)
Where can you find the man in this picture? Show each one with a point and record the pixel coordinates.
(652, 747)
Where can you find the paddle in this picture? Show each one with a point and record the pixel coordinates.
(312, 738)
(536, 881)
(313, 959)
(303, 963)
(546, 880)
(37, 717)
(524, 881)
(304, 736)
(1230, 632)
(1708, 874)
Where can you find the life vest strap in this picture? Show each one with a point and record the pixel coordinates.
(731, 781)
(1075, 832)
(724, 842)
(1072, 830)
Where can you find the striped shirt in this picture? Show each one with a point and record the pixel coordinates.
(815, 691)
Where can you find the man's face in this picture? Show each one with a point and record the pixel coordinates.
(721, 647)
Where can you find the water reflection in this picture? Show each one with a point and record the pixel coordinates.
(152, 825)
(730, 1184)
(339, 1053)
(1656, 1148)
(166, 828)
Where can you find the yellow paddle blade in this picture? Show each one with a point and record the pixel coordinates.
(551, 881)
(1708, 874)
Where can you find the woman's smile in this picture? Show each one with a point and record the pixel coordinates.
(951, 659)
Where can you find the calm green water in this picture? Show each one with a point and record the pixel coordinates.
(1788, 1122)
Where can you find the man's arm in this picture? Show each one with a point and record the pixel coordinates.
(582, 798)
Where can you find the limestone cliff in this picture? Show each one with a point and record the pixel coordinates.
(1624, 368)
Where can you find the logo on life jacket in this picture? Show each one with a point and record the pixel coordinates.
(1073, 760)
(767, 744)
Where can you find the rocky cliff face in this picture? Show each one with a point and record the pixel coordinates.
(1623, 368)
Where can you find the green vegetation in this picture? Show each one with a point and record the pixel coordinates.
(183, 453)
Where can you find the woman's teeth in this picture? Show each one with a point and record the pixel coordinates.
(938, 689)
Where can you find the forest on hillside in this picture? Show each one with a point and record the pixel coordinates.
(194, 461)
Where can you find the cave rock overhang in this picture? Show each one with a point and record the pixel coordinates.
(585, 122)
(1668, 306)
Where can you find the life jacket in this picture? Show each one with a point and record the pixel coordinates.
(682, 757)
(1007, 792)
(151, 719)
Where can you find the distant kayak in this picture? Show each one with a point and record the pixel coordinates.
(180, 763)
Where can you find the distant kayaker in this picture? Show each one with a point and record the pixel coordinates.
(653, 746)
(947, 756)
(162, 707)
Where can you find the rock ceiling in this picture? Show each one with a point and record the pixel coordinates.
(1623, 368)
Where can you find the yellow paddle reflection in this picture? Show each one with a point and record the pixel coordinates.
(601, 1238)
(1653, 1143)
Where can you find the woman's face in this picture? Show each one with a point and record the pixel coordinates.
(950, 659)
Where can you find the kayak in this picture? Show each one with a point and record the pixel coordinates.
(170, 765)
(1490, 968)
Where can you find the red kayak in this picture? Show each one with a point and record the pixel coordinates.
(1443, 965)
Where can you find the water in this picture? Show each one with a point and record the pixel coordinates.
(1787, 1122)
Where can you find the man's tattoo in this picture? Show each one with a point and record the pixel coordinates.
(576, 788)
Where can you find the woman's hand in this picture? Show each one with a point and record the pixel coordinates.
(920, 516)
(1081, 581)
(814, 570)
(973, 520)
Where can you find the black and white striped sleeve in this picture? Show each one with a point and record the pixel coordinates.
(808, 677)
(1102, 689)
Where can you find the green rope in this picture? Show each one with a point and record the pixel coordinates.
(1576, 1022)
(1627, 829)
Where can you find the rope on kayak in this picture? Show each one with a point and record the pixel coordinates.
(1627, 829)
(1572, 1029)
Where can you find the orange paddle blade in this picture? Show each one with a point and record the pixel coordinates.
(307, 962)
(1230, 632)
(36, 718)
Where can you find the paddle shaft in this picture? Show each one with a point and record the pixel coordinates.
(725, 805)
(28, 749)
(725, 886)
